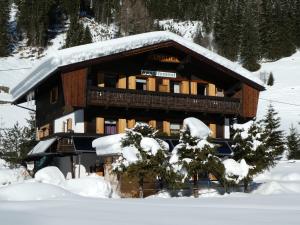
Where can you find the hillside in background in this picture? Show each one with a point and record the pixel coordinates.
(249, 32)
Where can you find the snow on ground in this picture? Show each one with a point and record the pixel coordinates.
(286, 89)
(35, 206)
(283, 179)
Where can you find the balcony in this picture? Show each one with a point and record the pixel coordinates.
(111, 97)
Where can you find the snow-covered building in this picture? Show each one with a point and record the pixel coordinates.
(158, 78)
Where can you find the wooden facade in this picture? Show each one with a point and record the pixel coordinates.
(160, 84)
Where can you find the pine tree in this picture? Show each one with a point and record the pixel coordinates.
(87, 37)
(270, 80)
(272, 136)
(248, 145)
(197, 157)
(149, 163)
(12, 141)
(249, 43)
(293, 144)
(18, 141)
(4, 37)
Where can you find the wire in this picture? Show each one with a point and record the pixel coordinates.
(286, 103)
(25, 68)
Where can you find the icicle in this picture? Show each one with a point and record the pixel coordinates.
(91, 4)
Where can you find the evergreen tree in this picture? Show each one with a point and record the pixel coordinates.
(198, 158)
(296, 19)
(12, 142)
(293, 144)
(4, 37)
(249, 46)
(18, 141)
(248, 145)
(87, 37)
(272, 136)
(150, 162)
(270, 80)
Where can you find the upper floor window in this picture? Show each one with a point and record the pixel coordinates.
(201, 89)
(175, 87)
(54, 95)
(141, 84)
(110, 81)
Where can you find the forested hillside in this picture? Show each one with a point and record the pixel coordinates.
(243, 30)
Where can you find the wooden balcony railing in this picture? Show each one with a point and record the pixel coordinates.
(157, 100)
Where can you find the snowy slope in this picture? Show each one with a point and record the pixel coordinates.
(285, 94)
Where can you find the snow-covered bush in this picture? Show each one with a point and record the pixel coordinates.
(50, 175)
(143, 155)
(195, 155)
(249, 144)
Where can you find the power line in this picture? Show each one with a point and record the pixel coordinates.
(25, 68)
(286, 103)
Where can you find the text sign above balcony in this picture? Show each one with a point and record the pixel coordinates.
(158, 73)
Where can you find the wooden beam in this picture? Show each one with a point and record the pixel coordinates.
(166, 127)
(122, 82)
(213, 128)
(151, 84)
(132, 82)
(131, 123)
(184, 87)
(152, 123)
(193, 88)
(100, 125)
(211, 90)
(121, 125)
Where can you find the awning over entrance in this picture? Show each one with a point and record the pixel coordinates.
(83, 144)
(42, 146)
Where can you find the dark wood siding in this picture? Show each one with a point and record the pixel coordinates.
(249, 101)
(74, 86)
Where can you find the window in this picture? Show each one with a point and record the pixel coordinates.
(175, 87)
(220, 92)
(141, 84)
(175, 128)
(54, 95)
(110, 127)
(110, 81)
(201, 89)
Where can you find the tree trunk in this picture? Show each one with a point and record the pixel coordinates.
(141, 188)
(196, 189)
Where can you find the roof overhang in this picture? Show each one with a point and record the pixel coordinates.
(77, 57)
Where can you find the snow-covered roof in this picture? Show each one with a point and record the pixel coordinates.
(42, 146)
(105, 48)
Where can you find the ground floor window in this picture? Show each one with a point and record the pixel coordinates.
(110, 127)
(175, 128)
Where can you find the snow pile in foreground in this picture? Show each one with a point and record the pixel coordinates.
(92, 186)
(3, 164)
(29, 191)
(50, 183)
(235, 171)
(10, 176)
(196, 127)
(283, 179)
(50, 175)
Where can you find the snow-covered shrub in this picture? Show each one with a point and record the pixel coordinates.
(143, 155)
(50, 175)
(249, 145)
(194, 154)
